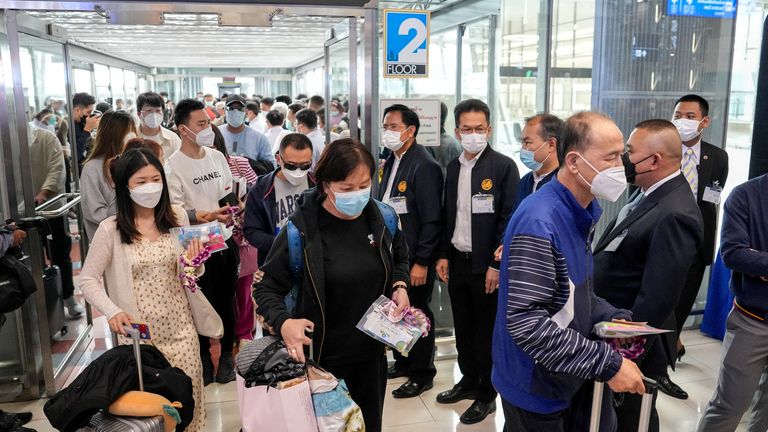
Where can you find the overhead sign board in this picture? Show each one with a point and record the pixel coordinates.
(406, 43)
(702, 8)
(429, 117)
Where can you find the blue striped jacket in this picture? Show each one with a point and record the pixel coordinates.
(542, 351)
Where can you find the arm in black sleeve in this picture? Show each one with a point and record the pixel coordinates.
(429, 199)
(257, 227)
(445, 239)
(672, 249)
(269, 294)
(401, 271)
(507, 203)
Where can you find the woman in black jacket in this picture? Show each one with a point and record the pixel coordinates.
(349, 260)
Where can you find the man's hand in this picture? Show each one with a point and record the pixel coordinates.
(442, 269)
(220, 214)
(18, 237)
(497, 253)
(418, 275)
(491, 280)
(41, 197)
(628, 379)
(92, 123)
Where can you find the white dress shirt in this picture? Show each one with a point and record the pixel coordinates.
(391, 180)
(696, 151)
(462, 233)
(658, 184)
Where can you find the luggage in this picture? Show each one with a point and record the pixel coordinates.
(54, 303)
(645, 409)
(103, 422)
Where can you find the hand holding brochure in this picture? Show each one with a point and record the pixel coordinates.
(625, 330)
(399, 331)
(210, 234)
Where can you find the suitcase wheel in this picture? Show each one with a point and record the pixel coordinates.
(64, 330)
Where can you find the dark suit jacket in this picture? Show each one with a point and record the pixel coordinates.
(420, 178)
(713, 167)
(498, 173)
(647, 271)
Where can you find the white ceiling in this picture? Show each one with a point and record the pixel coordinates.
(196, 40)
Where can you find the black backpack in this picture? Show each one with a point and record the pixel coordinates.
(16, 283)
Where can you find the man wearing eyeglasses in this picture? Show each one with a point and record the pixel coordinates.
(274, 196)
(480, 189)
(413, 185)
(150, 108)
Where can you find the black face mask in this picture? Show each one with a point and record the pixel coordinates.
(630, 168)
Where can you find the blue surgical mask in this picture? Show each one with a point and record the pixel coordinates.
(288, 125)
(528, 159)
(352, 203)
(235, 118)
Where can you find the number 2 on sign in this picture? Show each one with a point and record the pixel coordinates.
(411, 51)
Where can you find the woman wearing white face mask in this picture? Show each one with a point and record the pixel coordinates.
(96, 186)
(351, 259)
(136, 255)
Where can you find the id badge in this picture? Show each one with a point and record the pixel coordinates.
(482, 204)
(712, 194)
(613, 246)
(398, 203)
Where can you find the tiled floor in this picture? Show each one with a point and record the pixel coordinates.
(697, 374)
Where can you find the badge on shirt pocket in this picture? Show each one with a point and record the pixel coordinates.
(399, 204)
(483, 204)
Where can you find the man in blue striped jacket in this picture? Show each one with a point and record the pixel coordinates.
(542, 350)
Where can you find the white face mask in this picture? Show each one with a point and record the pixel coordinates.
(147, 195)
(128, 137)
(688, 129)
(608, 184)
(295, 177)
(152, 120)
(391, 140)
(205, 137)
(474, 143)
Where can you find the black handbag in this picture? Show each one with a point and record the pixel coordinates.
(16, 283)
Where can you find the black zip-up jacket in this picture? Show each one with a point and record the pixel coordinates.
(493, 174)
(260, 218)
(269, 294)
(419, 179)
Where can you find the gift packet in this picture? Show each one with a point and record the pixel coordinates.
(399, 331)
(623, 330)
(210, 234)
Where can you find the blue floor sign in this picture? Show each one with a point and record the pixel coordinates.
(406, 43)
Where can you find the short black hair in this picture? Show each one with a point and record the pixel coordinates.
(165, 94)
(295, 140)
(253, 107)
(149, 98)
(301, 96)
(294, 108)
(443, 116)
(219, 143)
(656, 125)
(307, 117)
(82, 100)
(284, 99)
(317, 100)
(703, 104)
(43, 112)
(410, 118)
(575, 133)
(184, 108)
(268, 101)
(339, 159)
(551, 125)
(471, 105)
(103, 107)
(275, 118)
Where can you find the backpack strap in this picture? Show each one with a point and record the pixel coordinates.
(390, 217)
(296, 263)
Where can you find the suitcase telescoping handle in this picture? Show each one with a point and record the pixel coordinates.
(645, 408)
(135, 334)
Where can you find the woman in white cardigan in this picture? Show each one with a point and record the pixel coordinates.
(139, 260)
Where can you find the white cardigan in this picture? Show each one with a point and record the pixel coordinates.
(108, 256)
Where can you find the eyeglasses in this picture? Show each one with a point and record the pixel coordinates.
(292, 167)
(478, 130)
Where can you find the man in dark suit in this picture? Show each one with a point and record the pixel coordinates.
(538, 152)
(480, 190)
(705, 166)
(413, 185)
(641, 261)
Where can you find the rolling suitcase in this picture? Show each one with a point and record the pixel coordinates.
(54, 303)
(104, 422)
(645, 409)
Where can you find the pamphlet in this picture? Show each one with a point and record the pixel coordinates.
(625, 330)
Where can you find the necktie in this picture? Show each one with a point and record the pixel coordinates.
(690, 170)
(628, 208)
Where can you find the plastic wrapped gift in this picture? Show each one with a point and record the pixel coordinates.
(210, 234)
(399, 331)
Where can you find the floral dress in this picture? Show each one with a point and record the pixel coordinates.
(163, 305)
